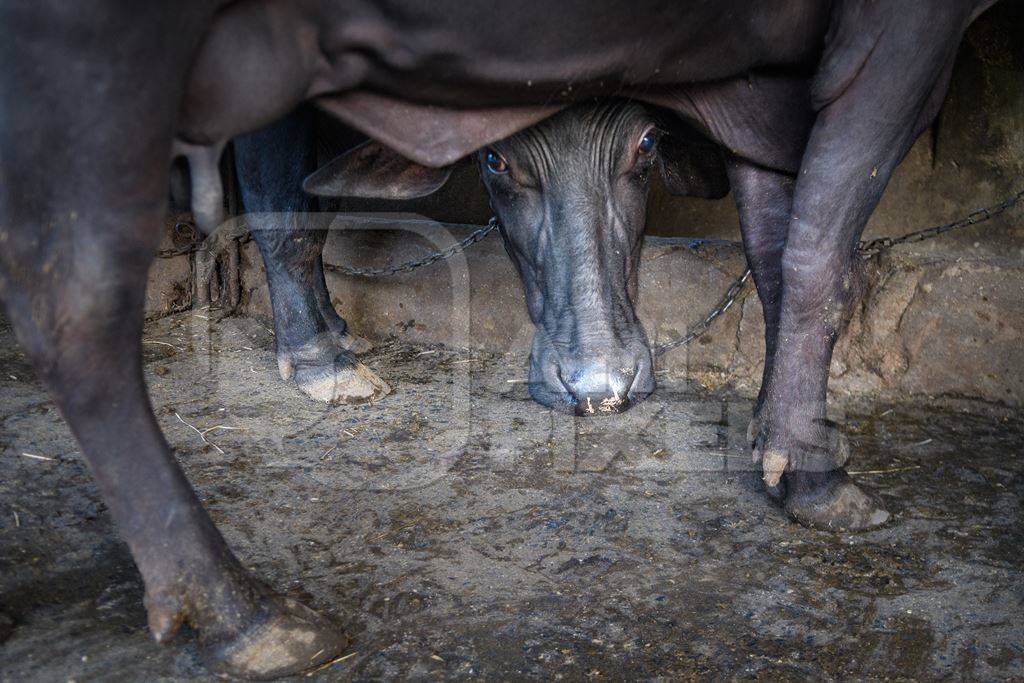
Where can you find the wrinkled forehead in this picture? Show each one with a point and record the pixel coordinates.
(584, 126)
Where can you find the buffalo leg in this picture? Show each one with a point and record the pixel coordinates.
(80, 321)
(861, 133)
(335, 323)
(764, 199)
(81, 210)
(314, 347)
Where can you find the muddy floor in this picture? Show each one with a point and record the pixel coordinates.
(457, 529)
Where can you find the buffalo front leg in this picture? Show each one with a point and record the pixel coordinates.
(317, 358)
(859, 137)
(314, 347)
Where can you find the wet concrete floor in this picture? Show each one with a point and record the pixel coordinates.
(459, 530)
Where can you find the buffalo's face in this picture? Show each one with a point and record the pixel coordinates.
(571, 196)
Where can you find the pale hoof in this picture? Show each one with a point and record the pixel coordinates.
(830, 501)
(165, 613)
(773, 485)
(288, 638)
(347, 381)
(773, 464)
(326, 373)
(776, 461)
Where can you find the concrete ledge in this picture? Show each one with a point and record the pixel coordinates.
(927, 325)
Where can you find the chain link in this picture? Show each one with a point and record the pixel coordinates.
(473, 237)
(880, 244)
(726, 302)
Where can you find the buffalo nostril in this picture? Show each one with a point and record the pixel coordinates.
(549, 387)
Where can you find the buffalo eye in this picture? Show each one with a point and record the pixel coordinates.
(495, 162)
(647, 143)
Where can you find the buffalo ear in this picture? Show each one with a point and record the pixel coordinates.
(374, 171)
(692, 167)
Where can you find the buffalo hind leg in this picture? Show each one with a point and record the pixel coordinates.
(80, 222)
(764, 200)
(81, 323)
(82, 199)
(861, 133)
(314, 346)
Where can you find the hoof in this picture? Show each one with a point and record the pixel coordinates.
(801, 458)
(776, 492)
(328, 374)
(347, 381)
(830, 501)
(773, 485)
(245, 631)
(287, 638)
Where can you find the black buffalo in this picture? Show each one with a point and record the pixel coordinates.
(95, 97)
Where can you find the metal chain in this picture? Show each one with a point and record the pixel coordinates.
(867, 250)
(473, 237)
(704, 325)
(880, 244)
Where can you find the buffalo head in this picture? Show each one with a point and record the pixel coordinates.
(570, 193)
